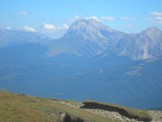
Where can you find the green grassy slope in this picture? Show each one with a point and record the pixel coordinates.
(22, 108)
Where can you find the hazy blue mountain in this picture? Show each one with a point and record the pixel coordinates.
(15, 37)
(22, 54)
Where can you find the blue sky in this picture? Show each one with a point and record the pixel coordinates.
(52, 17)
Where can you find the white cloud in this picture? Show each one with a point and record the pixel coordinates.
(156, 13)
(22, 12)
(51, 27)
(158, 20)
(48, 27)
(93, 17)
(90, 17)
(108, 18)
(29, 29)
(157, 16)
(128, 18)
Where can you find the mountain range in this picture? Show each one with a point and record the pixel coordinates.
(15, 37)
(88, 37)
(90, 61)
(92, 38)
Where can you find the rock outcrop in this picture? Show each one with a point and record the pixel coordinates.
(65, 117)
(122, 111)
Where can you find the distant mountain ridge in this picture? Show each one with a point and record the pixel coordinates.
(91, 38)
(17, 37)
(144, 45)
(88, 37)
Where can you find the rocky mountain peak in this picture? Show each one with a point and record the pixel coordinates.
(87, 28)
(152, 29)
(87, 24)
(152, 32)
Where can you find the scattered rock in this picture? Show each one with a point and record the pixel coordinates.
(156, 115)
(65, 117)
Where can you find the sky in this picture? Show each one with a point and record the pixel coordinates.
(53, 17)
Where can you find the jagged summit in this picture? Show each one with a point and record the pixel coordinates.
(88, 29)
(152, 33)
(88, 37)
(144, 45)
(93, 31)
(153, 28)
(88, 25)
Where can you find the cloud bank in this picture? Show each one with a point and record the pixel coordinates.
(157, 16)
(48, 27)
(52, 27)
(29, 29)
(107, 18)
